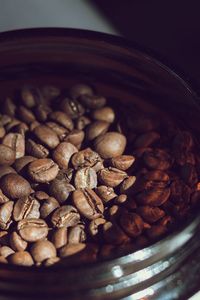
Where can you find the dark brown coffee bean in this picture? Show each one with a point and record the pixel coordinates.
(157, 159)
(43, 250)
(4, 170)
(12, 124)
(71, 249)
(17, 243)
(49, 92)
(107, 251)
(46, 136)
(106, 114)
(179, 191)
(80, 89)
(5, 251)
(146, 139)
(88, 203)
(6, 214)
(15, 141)
(7, 155)
(76, 234)
(22, 162)
(26, 208)
(166, 221)
(9, 107)
(48, 206)
(36, 150)
(60, 189)
(96, 129)
(113, 234)
(25, 114)
(82, 122)
(109, 145)
(59, 130)
(21, 258)
(75, 137)
(65, 216)
(30, 96)
(65, 174)
(32, 230)
(63, 153)
(87, 158)
(122, 162)
(156, 175)
(127, 185)
(72, 108)
(43, 170)
(15, 186)
(188, 174)
(156, 232)
(131, 223)
(92, 101)
(59, 237)
(21, 128)
(153, 197)
(62, 119)
(41, 112)
(150, 214)
(85, 178)
(94, 227)
(106, 193)
(111, 176)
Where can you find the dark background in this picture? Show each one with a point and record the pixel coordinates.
(171, 28)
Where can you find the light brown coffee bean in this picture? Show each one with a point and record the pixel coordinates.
(26, 208)
(5, 170)
(46, 136)
(150, 214)
(9, 108)
(80, 89)
(32, 230)
(41, 195)
(43, 170)
(109, 145)
(127, 185)
(48, 206)
(106, 193)
(3, 198)
(41, 112)
(72, 108)
(106, 114)
(59, 237)
(111, 176)
(131, 223)
(15, 186)
(21, 258)
(96, 129)
(51, 261)
(82, 122)
(22, 162)
(71, 249)
(75, 137)
(30, 96)
(76, 234)
(59, 130)
(36, 150)
(157, 159)
(15, 141)
(17, 243)
(87, 158)
(113, 234)
(3, 260)
(63, 153)
(94, 227)
(5, 251)
(43, 250)
(33, 125)
(122, 162)
(92, 101)
(87, 255)
(49, 92)
(88, 203)
(12, 124)
(114, 212)
(60, 189)
(62, 119)
(25, 114)
(65, 216)
(121, 199)
(7, 155)
(85, 178)
(2, 132)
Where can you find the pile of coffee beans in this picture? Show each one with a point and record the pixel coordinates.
(83, 178)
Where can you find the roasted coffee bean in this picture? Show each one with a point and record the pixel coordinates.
(25, 114)
(157, 159)
(41, 195)
(76, 234)
(62, 119)
(106, 114)
(88, 203)
(82, 122)
(127, 185)
(7, 155)
(51, 261)
(146, 139)
(71, 249)
(60, 189)
(150, 214)
(42, 250)
(106, 193)
(26, 208)
(72, 108)
(5, 170)
(59, 237)
(46, 136)
(15, 186)
(32, 230)
(96, 129)
(59, 130)
(43, 170)
(42, 111)
(30, 96)
(131, 223)
(22, 162)
(153, 197)
(21, 128)
(156, 175)
(65, 216)
(48, 206)
(33, 125)
(95, 225)
(80, 89)
(92, 101)
(15, 141)
(5, 251)
(36, 150)
(3, 198)
(75, 137)
(9, 107)
(156, 231)
(2, 132)
(12, 124)
(122, 162)
(63, 153)
(21, 258)
(65, 174)
(49, 92)
(113, 234)
(114, 212)
(111, 176)
(3, 260)
(110, 144)
(179, 191)
(189, 174)
(17, 243)
(6, 214)
(87, 158)
(85, 178)
(121, 199)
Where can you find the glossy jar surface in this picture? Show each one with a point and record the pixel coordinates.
(166, 270)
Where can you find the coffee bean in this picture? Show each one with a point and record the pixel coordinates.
(32, 230)
(9, 107)
(80, 89)
(106, 193)
(48, 206)
(3, 260)
(15, 186)
(111, 176)
(76, 234)
(60, 189)
(5, 214)
(41, 195)
(88, 203)
(155, 197)
(49, 92)
(26, 208)
(12, 124)
(131, 223)
(3, 198)
(36, 150)
(5, 251)
(82, 122)
(92, 101)
(15, 141)
(30, 96)
(43, 170)
(59, 237)
(157, 175)
(41, 112)
(2, 132)
(25, 114)
(46, 136)
(95, 225)
(121, 199)
(109, 145)
(7, 155)
(150, 214)
(106, 114)
(63, 153)
(87, 158)
(157, 159)
(42, 250)
(22, 162)
(33, 125)
(51, 261)
(85, 178)
(71, 249)
(75, 137)
(127, 185)
(188, 174)
(156, 231)
(122, 162)
(62, 119)
(113, 234)
(146, 139)
(72, 108)
(21, 258)
(59, 130)
(4, 238)
(17, 243)
(96, 129)
(65, 216)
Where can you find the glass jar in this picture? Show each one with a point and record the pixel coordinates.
(169, 268)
